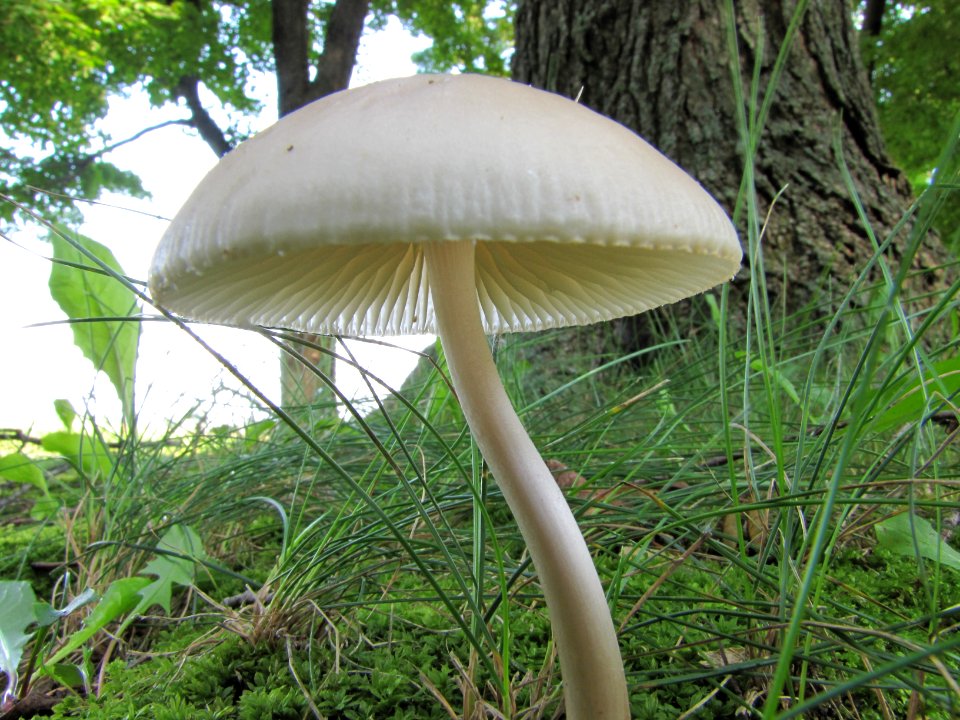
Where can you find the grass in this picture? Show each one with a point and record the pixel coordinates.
(731, 498)
(738, 485)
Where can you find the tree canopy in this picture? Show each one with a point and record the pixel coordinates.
(916, 78)
(911, 49)
(62, 60)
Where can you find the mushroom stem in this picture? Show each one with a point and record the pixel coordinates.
(595, 685)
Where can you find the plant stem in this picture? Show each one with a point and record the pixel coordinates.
(595, 685)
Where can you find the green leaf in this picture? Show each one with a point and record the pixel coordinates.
(44, 507)
(66, 413)
(468, 35)
(46, 614)
(89, 455)
(121, 597)
(256, 431)
(915, 67)
(17, 600)
(133, 596)
(63, 60)
(18, 468)
(184, 547)
(67, 674)
(89, 297)
(905, 401)
(908, 534)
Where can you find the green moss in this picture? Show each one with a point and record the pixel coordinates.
(21, 545)
(235, 679)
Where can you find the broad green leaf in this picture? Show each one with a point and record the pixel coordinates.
(87, 454)
(46, 614)
(908, 534)
(44, 507)
(18, 468)
(184, 546)
(906, 400)
(88, 297)
(255, 432)
(776, 378)
(133, 596)
(67, 674)
(17, 602)
(66, 413)
(121, 597)
(157, 592)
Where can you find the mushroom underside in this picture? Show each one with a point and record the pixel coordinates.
(383, 289)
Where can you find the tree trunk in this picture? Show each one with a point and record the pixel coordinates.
(664, 70)
(299, 385)
(292, 42)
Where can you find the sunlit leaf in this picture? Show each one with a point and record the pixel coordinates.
(89, 298)
(87, 454)
(179, 546)
(66, 413)
(908, 534)
(18, 468)
(17, 600)
(121, 597)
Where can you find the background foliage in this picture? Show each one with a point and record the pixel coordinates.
(62, 60)
(915, 71)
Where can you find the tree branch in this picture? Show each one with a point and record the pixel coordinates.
(291, 50)
(340, 47)
(188, 89)
(873, 17)
(140, 133)
(291, 47)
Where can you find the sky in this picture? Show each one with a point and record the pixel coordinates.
(39, 362)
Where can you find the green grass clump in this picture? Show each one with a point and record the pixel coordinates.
(731, 500)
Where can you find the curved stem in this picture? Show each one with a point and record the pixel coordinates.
(595, 685)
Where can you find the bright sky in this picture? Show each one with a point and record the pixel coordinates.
(40, 364)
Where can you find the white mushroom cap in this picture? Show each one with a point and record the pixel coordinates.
(315, 224)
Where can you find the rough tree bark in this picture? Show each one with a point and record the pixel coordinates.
(663, 69)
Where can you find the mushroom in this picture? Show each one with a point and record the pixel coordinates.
(463, 205)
